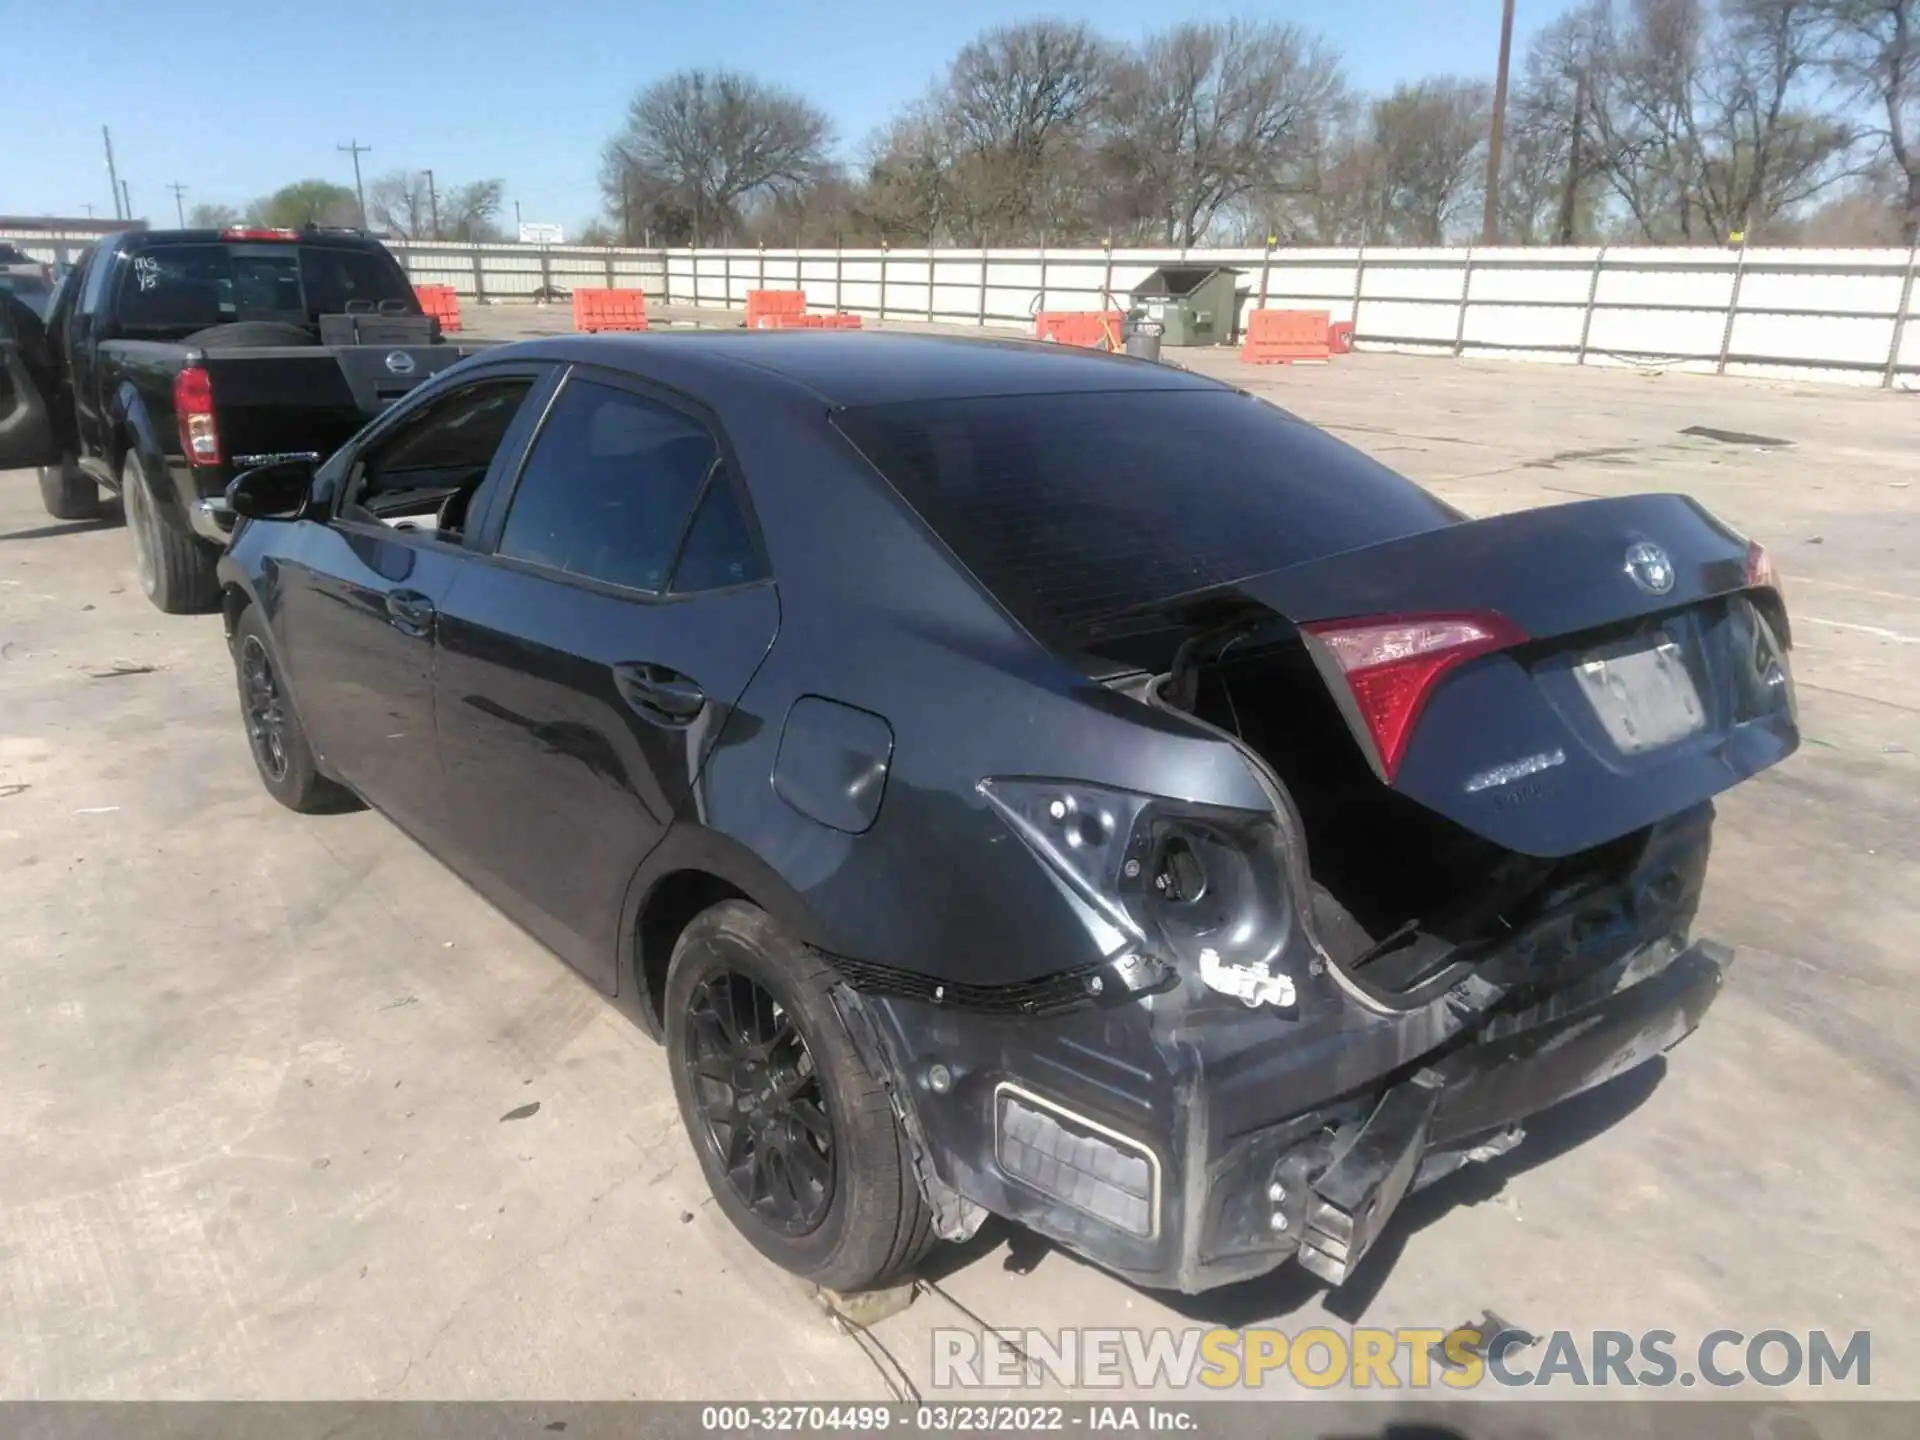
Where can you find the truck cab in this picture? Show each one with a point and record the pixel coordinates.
(169, 361)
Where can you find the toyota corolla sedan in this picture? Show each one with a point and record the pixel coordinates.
(1016, 780)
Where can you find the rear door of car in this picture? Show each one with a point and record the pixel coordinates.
(587, 664)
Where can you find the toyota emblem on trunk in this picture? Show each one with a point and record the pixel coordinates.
(400, 363)
(1650, 568)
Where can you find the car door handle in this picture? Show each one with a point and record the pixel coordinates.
(410, 612)
(658, 694)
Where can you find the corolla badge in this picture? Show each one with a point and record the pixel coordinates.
(1649, 568)
(399, 362)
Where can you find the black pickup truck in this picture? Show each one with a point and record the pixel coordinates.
(173, 359)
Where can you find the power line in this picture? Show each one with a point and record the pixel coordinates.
(179, 207)
(356, 149)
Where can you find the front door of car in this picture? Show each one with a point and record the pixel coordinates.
(587, 666)
(29, 426)
(359, 593)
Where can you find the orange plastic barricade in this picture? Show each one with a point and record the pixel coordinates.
(597, 310)
(443, 303)
(791, 322)
(1286, 337)
(1340, 337)
(841, 322)
(1091, 329)
(762, 303)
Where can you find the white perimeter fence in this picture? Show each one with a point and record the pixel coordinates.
(1843, 316)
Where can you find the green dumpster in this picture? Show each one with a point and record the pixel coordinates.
(1195, 303)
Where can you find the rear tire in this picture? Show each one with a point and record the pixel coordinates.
(67, 493)
(872, 1222)
(176, 568)
(282, 754)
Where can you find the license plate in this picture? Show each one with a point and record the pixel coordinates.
(1643, 694)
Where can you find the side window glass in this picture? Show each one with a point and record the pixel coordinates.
(423, 474)
(607, 487)
(719, 551)
(99, 271)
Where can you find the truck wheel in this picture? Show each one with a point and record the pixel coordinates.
(67, 493)
(798, 1141)
(176, 568)
(281, 752)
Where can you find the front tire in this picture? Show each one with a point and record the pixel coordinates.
(176, 568)
(67, 493)
(798, 1141)
(281, 751)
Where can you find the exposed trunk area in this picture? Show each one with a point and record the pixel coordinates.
(1403, 887)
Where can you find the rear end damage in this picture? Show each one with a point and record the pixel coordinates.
(1473, 897)
(1188, 1140)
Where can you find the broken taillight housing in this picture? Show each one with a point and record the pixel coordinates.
(1165, 882)
(1391, 664)
(1761, 571)
(193, 408)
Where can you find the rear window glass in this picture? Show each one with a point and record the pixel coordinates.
(1073, 508)
(189, 287)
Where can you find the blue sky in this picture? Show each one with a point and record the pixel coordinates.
(234, 98)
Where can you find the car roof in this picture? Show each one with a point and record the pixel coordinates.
(857, 368)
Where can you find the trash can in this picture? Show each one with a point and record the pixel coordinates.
(1194, 304)
(1143, 339)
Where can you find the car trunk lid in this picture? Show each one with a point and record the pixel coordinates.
(1552, 678)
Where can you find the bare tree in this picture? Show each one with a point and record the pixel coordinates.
(398, 203)
(1205, 117)
(699, 146)
(1874, 51)
(1427, 168)
(467, 211)
(210, 216)
(1019, 106)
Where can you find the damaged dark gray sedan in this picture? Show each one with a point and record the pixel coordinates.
(1022, 781)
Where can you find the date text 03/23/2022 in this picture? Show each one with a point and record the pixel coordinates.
(944, 1419)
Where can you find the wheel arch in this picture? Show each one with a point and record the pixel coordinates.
(690, 870)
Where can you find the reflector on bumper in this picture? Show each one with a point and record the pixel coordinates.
(1077, 1161)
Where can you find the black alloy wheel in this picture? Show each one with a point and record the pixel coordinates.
(266, 711)
(759, 1097)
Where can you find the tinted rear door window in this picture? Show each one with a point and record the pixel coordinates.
(1074, 507)
(608, 487)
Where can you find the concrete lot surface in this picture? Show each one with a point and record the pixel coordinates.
(260, 1074)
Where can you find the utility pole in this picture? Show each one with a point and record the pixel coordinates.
(126, 199)
(516, 219)
(113, 175)
(179, 206)
(1570, 197)
(354, 148)
(89, 205)
(1490, 225)
(433, 205)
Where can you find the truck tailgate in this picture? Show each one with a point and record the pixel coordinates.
(280, 399)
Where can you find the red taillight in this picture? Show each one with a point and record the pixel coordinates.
(257, 232)
(1392, 663)
(1761, 570)
(193, 407)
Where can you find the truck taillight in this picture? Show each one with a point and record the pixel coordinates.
(193, 407)
(1391, 664)
(1761, 571)
(257, 232)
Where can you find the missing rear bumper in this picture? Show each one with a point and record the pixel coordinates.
(1129, 1135)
